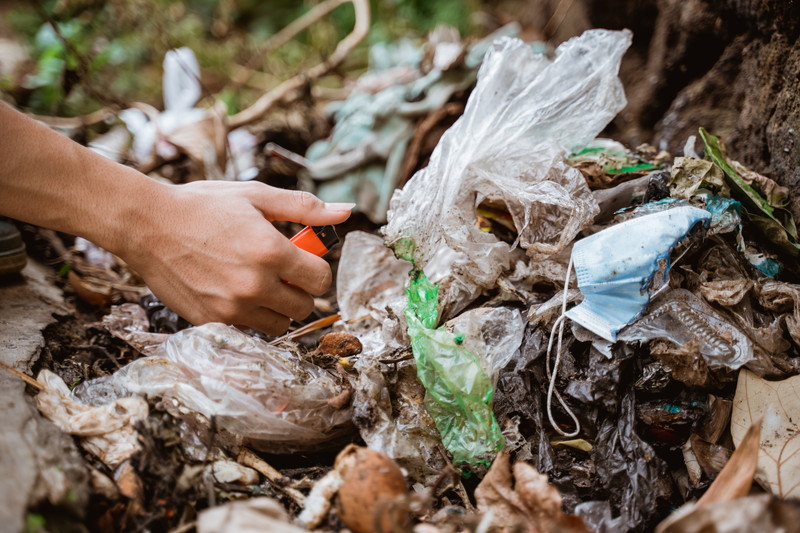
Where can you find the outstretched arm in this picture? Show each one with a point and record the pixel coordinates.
(206, 249)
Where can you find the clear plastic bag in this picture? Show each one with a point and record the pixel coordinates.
(266, 394)
(526, 111)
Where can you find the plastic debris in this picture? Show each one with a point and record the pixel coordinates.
(683, 319)
(256, 515)
(266, 395)
(458, 393)
(525, 112)
(388, 403)
(129, 322)
(106, 431)
(182, 128)
(362, 160)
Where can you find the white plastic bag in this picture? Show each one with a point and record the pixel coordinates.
(526, 111)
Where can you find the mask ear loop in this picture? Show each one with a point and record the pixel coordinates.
(551, 389)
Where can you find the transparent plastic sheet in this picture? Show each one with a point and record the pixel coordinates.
(494, 334)
(266, 394)
(388, 406)
(526, 111)
(129, 322)
(682, 318)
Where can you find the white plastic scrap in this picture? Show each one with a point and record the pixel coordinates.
(107, 431)
(256, 515)
(153, 133)
(526, 111)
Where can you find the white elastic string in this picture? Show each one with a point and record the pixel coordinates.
(551, 389)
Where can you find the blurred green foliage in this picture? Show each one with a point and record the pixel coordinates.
(116, 46)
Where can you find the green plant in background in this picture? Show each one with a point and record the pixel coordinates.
(115, 47)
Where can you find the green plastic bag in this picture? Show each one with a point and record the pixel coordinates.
(458, 393)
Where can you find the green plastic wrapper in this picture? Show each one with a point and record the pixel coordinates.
(458, 393)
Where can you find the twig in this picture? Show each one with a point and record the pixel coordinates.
(308, 328)
(248, 458)
(553, 18)
(243, 73)
(24, 377)
(95, 117)
(343, 49)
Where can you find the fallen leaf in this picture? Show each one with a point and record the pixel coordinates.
(526, 502)
(760, 513)
(777, 403)
(736, 478)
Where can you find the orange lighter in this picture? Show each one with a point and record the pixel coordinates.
(317, 240)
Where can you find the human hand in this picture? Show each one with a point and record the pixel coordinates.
(210, 253)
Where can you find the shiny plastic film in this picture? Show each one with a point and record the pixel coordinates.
(266, 394)
(458, 393)
(525, 114)
(682, 318)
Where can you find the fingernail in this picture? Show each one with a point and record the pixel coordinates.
(339, 207)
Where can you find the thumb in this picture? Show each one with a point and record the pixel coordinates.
(300, 206)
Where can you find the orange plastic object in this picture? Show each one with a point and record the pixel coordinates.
(311, 238)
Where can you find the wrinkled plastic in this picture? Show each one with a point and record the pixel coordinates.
(388, 400)
(266, 394)
(458, 393)
(525, 112)
(362, 161)
(107, 431)
(129, 322)
(493, 334)
(197, 132)
(633, 475)
(681, 318)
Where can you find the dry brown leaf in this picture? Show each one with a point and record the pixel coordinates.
(761, 514)
(526, 502)
(777, 403)
(736, 478)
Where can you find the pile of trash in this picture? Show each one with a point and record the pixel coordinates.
(553, 332)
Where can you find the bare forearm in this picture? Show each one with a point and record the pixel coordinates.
(49, 180)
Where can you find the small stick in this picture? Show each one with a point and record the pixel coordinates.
(267, 101)
(248, 458)
(24, 377)
(308, 328)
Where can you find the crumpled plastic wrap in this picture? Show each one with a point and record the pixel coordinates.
(681, 317)
(129, 322)
(388, 406)
(268, 395)
(493, 334)
(526, 111)
(458, 393)
(107, 431)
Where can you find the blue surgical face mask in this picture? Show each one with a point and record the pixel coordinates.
(615, 267)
